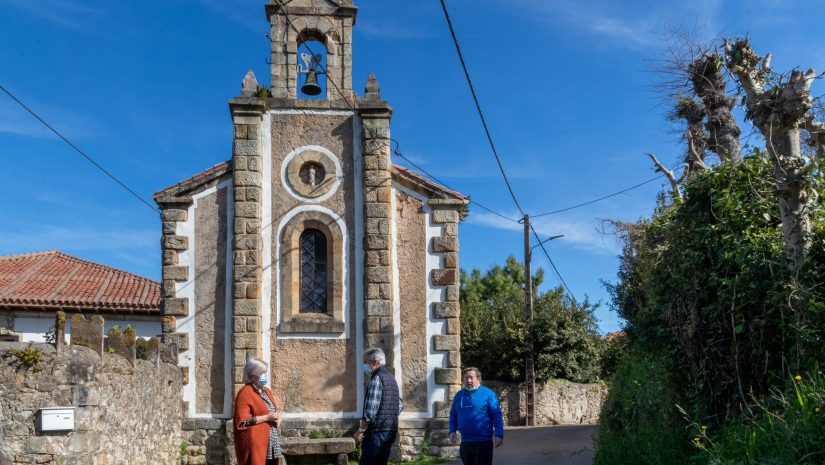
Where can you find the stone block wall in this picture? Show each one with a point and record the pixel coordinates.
(558, 402)
(247, 246)
(112, 422)
(378, 322)
(203, 441)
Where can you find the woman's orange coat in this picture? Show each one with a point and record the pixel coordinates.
(251, 441)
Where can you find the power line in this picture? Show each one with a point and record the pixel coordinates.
(87, 157)
(483, 122)
(478, 107)
(599, 199)
(397, 152)
(538, 239)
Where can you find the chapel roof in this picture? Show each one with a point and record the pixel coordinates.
(53, 280)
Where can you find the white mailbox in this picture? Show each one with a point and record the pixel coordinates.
(57, 419)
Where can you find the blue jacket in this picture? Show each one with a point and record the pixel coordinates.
(475, 414)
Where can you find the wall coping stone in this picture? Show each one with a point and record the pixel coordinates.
(192, 424)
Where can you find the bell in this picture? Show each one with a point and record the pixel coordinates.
(311, 86)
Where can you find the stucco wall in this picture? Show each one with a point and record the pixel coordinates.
(412, 275)
(314, 375)
(210, 301)
(123, 415)
(33, 326)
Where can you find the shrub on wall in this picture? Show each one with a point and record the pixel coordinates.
(706, 288)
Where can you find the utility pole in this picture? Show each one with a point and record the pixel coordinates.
(529, 364)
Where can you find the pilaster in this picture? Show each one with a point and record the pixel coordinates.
(378, 273)
(247, 245)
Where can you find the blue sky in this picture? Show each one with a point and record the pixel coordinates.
(566, 87)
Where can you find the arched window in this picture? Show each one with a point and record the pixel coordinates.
(312, 274)
(313, 281)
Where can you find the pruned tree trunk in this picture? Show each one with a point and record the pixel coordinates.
(709, 85)
(780, 111)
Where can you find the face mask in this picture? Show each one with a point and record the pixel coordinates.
(263, 380)
(367, 369)
(470, 389)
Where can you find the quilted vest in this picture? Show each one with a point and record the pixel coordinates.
(387, 417)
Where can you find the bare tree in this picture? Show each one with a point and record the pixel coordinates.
(780, 106)
(698, 85)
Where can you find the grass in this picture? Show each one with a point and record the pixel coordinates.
(788, 427)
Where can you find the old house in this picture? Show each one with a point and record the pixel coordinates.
(310, 245)
(34, 286)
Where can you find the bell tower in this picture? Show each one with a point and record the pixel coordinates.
(326, 27)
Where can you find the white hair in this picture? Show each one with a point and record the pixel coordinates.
(253, 368)
(375, 353)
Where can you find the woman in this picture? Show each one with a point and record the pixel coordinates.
(256, 418)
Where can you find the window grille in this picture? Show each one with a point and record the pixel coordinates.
(313, 271)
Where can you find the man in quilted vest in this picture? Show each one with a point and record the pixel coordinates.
(382, 406)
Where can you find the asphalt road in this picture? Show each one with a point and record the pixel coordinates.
(545, 445)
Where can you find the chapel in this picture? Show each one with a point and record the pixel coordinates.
(310, 245)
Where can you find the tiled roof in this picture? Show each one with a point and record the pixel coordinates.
(55, 280)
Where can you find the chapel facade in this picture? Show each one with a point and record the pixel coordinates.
(309, 245)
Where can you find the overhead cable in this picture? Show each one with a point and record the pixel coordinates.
(416, 166)
(546, 254)
(81, 152)
(478, 107)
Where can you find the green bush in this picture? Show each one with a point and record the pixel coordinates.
(707, 281)
(567, 343)
(714, 311)
(25, 358)
(640, 423)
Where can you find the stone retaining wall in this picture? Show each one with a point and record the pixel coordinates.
(558, 402)
(124, 414)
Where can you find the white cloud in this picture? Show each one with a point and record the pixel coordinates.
(247, 13)
(14, 119)
(581, 234)
(638, 26)
(33, 237)
(71, 14)
(389, 30)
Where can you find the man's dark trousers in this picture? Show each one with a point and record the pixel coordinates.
(476, 453)
(376, 446)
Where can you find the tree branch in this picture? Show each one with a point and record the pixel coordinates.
(669, 174)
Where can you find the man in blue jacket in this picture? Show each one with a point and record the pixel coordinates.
(477, 415)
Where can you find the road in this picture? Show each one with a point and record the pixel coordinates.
(545, 445)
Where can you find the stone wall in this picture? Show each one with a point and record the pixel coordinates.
(124, 414)
(558, 402)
